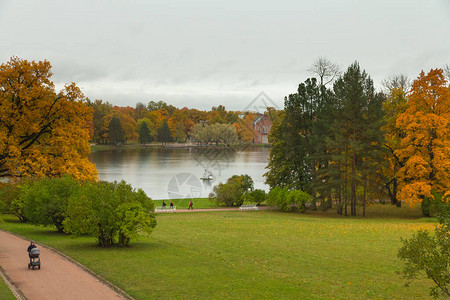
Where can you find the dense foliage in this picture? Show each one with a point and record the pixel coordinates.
(430, 253)
(288, 200)
(349, 144)
(45, 200)
(231, 193)
(42, 132)
(114, 213)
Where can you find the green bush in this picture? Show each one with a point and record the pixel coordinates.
(45, 200)
(277, 197)
(288, 200)
(231, 193)
(10, 201)
(430, 253)
(112, 212)
(257, 196)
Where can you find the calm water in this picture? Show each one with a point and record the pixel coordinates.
(165, 173)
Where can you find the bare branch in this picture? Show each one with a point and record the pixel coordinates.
(326, 70)
(397, 81)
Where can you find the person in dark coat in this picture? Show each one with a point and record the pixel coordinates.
(32, 245)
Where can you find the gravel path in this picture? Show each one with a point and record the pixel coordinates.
(57, 279)
(222, 209)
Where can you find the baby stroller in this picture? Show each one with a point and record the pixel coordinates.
(35, 261)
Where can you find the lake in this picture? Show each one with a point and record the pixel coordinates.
(171, 173)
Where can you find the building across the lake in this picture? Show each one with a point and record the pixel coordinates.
(261, 128)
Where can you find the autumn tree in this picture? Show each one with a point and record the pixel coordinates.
(140, 111)
(424, 151)
(101, 110)
(394, 105)
(42, 132)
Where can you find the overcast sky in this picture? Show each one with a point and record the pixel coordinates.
(204, 53)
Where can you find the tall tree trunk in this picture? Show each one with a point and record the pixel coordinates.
(398, 203)
(353, 187)
(364, 196)
(346, 182)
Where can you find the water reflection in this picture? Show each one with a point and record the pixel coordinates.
(152, 169)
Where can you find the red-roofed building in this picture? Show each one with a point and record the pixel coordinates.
(261, 129)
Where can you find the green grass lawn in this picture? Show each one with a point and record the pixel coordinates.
(255, 254)
(5, 292)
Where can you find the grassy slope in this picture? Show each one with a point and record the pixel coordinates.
(255, 255)
(5, 292)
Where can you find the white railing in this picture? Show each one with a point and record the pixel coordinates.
(167, 209)
(248, 207)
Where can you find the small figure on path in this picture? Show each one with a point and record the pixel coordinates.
(164, 204)
(191, 205)
(32, 245)
(171, 204)
(33, 254)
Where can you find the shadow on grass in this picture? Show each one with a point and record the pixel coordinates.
(376, 211)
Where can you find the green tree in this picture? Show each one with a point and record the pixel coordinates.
(256, 196)
(115, 132)
(289, 165)
(112, 212)
(429, 254)
(355, 143)
(145, 135)
(45, 200)
(10, 201)
(231, 193)
(164, 135)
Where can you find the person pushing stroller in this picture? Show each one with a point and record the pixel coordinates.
(33, 254)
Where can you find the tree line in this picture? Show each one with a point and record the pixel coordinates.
(347, 143)
(158, 121)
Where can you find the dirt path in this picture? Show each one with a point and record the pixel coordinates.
(57, 279)
(222, 209)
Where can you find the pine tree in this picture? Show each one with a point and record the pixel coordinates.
(164, 135)
(115, 132)
(145, 135)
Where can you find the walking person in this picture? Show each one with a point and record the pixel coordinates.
(171, 204)
(32, 245)
(164, 204)
(191, 205)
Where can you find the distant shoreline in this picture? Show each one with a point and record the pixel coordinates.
(102, 147)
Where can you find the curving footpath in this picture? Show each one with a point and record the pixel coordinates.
(222, 209)
(58, 278)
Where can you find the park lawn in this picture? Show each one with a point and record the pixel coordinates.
(255, 254)
(5, 292)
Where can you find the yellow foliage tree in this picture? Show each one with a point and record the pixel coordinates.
(396, 103)
(42, 133)
(424, 151)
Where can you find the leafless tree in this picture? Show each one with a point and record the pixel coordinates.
(447, 72)
(326, 70)
(395, 82)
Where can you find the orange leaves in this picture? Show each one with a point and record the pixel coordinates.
(424, 149)
(42, 133)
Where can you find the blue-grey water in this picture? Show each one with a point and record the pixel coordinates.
(165, 173)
